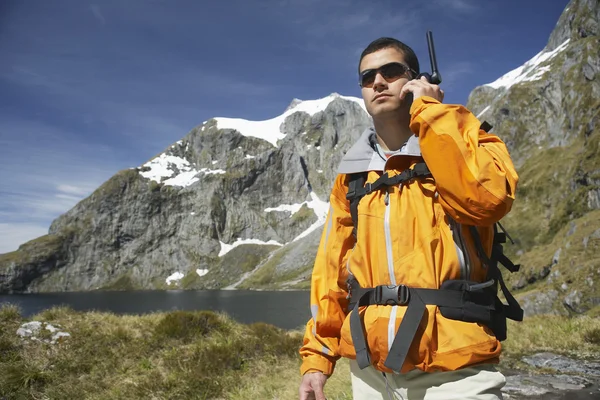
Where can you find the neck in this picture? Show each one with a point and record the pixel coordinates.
(392, 131)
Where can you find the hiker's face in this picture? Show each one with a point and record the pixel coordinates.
(382, 95)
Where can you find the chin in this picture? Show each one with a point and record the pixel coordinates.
(384, 109)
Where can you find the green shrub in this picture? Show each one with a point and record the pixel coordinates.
(9, 313)
(187, 326)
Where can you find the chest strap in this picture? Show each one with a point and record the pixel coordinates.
(457, 299)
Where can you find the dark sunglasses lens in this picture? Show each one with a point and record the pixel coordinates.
(392, 71)
(368, 77)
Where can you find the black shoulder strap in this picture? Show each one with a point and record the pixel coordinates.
(356, 183)
(357, 188)
(513, 310)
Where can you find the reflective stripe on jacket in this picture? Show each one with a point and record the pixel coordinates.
(417, 235)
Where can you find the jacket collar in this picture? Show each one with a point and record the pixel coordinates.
(363, 155)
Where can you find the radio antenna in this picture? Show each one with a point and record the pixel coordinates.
(436, 77)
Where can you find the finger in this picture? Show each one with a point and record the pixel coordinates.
(307, 395)
(317, 386)
(405, 89)
(319, 395)
(423, 78)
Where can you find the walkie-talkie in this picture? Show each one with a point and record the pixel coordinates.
(435, 77)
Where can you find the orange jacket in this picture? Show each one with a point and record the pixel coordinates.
(415, 235)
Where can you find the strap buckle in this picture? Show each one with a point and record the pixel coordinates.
(392, 295)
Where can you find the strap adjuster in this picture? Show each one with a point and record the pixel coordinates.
(392, 295)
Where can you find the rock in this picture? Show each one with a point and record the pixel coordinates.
(564, 286)
(553, 275)
(573, 302)
(563, 364)
(572, 228)
(173, 213)
(574, 379)
(538, 385)
(556, 257)
(545, 271)
(33, 329)
(521, 283)
(539, 303)
(211, 189)
(29, 329)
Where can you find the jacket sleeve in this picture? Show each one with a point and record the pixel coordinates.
(474, 174)
(328, 286)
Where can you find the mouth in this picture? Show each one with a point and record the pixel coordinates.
(379, 96)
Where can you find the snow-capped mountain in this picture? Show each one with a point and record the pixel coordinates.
(239, 203)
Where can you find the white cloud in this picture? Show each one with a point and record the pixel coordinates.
(76, 191)
(44, 175)
(97, 14)
(461, 6)
(12, 235)
(454, 72)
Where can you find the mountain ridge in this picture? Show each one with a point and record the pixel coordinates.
(237, 198)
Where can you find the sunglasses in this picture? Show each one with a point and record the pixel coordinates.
(390, 73)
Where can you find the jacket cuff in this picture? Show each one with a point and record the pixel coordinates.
(420, 103)
(316, 362)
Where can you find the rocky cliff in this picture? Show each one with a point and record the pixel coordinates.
(548, 113)
(207, 210)
(239, 204)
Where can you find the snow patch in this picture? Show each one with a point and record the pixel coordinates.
(321, 208)
(226, 248)
(183, 179)
(215, 162)
(213, 171)
(482, 112)
(165, 166)
(293, 208)
(530, 71)
(201, 272)
(269, 130)
(177, 276)
(249, 157)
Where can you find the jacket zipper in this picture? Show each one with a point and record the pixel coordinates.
(390, 262)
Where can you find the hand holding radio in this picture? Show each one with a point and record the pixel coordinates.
(426, 84)
(422, 87)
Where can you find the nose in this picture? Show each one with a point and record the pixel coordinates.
(379, 82)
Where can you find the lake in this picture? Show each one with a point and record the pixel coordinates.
(285, 309)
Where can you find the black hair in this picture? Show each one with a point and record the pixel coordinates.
(386, 42)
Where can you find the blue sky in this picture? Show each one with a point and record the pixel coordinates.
(88, 88)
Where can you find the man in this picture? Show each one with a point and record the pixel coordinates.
(412, 236)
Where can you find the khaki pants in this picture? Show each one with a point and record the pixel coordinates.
(482, 382)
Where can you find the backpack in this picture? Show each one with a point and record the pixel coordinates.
(457, 299)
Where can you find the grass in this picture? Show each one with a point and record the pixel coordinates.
(206, 355)
(175, 355)
(265, 276)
